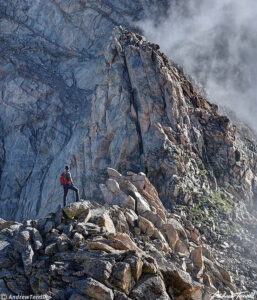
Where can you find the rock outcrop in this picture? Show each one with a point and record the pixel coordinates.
(116, 252)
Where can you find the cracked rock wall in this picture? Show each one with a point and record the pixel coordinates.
(77, 89)
(51, 73)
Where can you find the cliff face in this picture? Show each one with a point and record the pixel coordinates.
(52, 61)
(76, 91)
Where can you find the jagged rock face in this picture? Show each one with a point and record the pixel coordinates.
(77, 90)
(111, 252)
(51, 64)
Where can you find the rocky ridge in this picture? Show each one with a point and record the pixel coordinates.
(130, 248)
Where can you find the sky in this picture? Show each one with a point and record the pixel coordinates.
(216, 42)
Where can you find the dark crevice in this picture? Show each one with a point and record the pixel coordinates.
(164, 102)
(146, 171)
(134, 104)
(137, 123)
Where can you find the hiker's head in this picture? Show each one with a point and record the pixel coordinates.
(67, 168)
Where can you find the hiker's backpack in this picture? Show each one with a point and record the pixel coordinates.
(62, 179)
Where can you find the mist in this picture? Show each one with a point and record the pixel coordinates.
(216, 42)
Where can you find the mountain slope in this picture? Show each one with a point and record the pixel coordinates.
(132, 249)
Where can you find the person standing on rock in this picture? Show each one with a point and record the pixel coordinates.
(67, 183)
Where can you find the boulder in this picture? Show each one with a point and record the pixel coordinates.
(113, 185)
(198, 295)
(207, 253)
(195, 236)
(131, 217)
(139, 180)
(142, 205)
(196, 256)
(154, 218)
(105, 221)
(98, 269)
(93, 288)
(119, 219)
(37, 239)
(136, 266)
(178, 227)
(171, 234)
(99, 246)
(115, 244)
(113, 173)
(181, 283)
(158, 235)
(21, 240)
(149, 265)
(149, 287)
(117, 198)
(89, 229)
(181, 247)
(129, 202)
(52, 236)
(127, 186)
(27, 259)
(75, 209)
(85, 216)
(126, 240)
(121, 276)
(146, 226)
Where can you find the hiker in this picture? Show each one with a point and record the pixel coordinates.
(67, 183)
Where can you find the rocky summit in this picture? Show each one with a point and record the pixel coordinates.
(169, 182)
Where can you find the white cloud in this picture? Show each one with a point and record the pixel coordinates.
(216, 41)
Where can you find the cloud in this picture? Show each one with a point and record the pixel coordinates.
(216, 42)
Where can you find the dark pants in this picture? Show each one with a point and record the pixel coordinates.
(68, 187)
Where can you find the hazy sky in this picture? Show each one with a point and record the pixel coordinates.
(216, 42)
